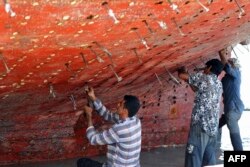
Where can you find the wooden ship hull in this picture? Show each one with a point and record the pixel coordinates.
(51, 49)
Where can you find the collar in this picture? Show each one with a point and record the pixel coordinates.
(127, 119)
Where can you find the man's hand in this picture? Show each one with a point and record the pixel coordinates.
(91, 93)
(223, 52)
(88, 112)
(182, 74)
(224, 55)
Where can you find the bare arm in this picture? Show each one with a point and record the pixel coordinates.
(88, 112)
(223, 53)
(185, 76)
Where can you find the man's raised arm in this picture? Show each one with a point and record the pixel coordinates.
(100, 108)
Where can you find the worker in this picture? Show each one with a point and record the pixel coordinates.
(200, 148)
(123, 138)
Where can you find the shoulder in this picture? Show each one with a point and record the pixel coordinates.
(229, 67)
(129, 122)
(196, 77)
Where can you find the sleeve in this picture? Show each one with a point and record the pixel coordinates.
(109, 136)
(199, 81)
(104, 112)
(229, 70)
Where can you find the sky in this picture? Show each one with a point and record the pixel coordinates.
(243, 54)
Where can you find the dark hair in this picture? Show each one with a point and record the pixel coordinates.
(216, 66)
(132, 104)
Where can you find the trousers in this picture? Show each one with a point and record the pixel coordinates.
(86, 162)
(231, 118)
(200, 149)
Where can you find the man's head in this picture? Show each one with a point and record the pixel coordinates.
(214, 66)
(129, 106)
(234, 62)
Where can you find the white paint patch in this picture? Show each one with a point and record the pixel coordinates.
(66, 18)
(27, 17)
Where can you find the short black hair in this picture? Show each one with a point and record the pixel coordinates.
(132, 104)
(216, 66)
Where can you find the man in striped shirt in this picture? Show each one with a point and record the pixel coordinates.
(123, 138)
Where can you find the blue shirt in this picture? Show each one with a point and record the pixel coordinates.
(231, 89)
(207, 102)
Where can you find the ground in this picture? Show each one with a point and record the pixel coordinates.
(160, 157)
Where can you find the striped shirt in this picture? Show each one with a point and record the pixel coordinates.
(123, 138)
